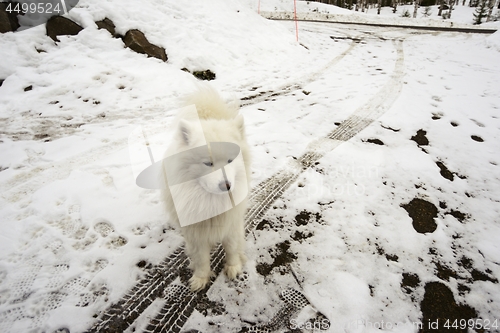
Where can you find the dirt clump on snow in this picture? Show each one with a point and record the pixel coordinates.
(420, 138)
(422, 213)
(281, 257)
(440, 310)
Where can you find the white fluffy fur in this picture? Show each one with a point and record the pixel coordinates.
(220, 123)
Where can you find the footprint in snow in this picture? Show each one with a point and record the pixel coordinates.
(104, 228)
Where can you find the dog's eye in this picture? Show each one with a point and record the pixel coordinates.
(229, 161)
(209, 164)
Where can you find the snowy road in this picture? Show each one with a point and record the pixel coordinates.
(178, 302)
(340, 148)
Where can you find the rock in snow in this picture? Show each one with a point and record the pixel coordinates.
(108, 25)
(135, 40)
(60, 26)
(8, 21)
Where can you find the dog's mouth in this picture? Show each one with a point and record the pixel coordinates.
(222, 187)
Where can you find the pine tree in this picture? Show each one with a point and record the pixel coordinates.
(415, 9)
(427, 11)
(491, 4)
(481, 11)
(452, 2)
(394, 6)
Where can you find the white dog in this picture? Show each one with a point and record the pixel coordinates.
(207, 168)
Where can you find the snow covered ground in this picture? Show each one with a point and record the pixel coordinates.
(461, 16)
(396, 220)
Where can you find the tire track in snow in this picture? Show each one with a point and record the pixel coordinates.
(179, 301)
(264, 96)
(179, 306)
(26, 183)
(158, 281)
(122, 314)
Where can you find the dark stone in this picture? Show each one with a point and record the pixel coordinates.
(440, 308)
(444, 272)
(444, 171)
(375, 141)
(207, 75)
(41, 136)
(422, 213)
(208, 308)
(136, 41)
(409, 282)
(107, 24)
(420, 138)
(299, 236)
(62, 330)
(462, 289)
(61, 26)
(1, 82)
(476, 274)
(391, 257)
(304, 217)
(4, 20)
(466, 263)
(8, 21)
(282, 257)
(263, 225)
(477, 138)
(480, 276)
(457, 214)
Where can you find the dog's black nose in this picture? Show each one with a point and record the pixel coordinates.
(225, 186)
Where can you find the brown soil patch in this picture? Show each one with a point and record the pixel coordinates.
(420, 138)
(422, 213)
(439, 308)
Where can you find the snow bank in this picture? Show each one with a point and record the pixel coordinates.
(227, 38)
(77, 233)
(493, 41)
(283, 9)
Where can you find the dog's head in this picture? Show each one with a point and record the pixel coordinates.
(213, 130)
(211, 153)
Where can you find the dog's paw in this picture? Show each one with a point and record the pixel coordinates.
(197, 283)
(232, 271)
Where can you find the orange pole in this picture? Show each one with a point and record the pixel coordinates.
(295, 17)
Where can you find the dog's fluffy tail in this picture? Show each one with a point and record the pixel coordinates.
(210, 104)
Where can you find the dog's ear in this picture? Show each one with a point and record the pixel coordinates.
(240, 123)
(185, 131)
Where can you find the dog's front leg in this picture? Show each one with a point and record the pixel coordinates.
(234, 257)
(199, 255)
